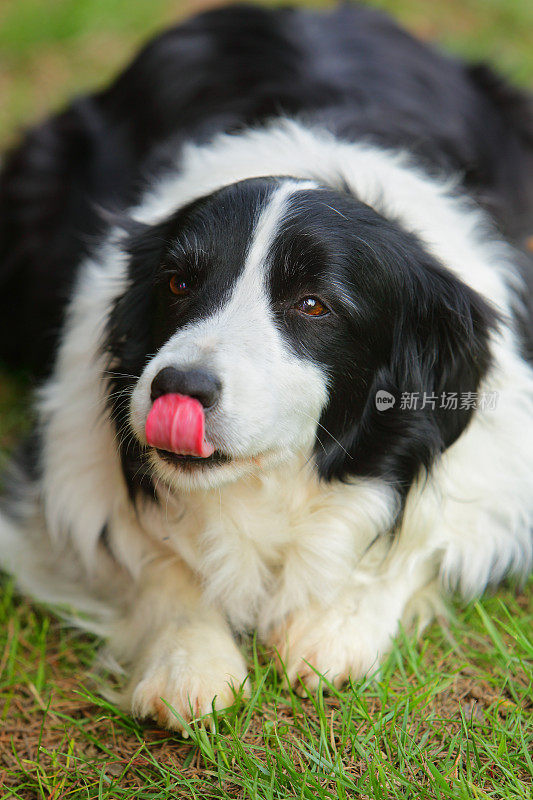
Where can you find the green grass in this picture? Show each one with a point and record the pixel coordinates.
(451, 715)
(448, 718)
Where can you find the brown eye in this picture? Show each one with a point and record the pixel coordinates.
(178, 286)
(311, 306)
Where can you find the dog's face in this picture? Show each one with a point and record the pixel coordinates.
(225, 325)
(283, 307)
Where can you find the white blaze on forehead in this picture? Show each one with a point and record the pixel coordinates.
(252, 283)
(271, 218)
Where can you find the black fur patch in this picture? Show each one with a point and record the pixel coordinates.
(399, 322)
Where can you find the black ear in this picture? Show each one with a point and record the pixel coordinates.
(128, 340)
(128, 331)
(439, 350)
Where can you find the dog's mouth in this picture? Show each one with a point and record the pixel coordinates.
(194, 462)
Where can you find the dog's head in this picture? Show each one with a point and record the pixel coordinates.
(292, 314)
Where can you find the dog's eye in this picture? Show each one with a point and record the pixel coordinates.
(178, 286)
(311, 306)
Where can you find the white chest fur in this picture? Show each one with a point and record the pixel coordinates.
(270, 544)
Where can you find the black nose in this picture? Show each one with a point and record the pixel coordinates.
(192, 382)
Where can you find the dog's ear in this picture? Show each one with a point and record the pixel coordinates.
(415, 405)
(128, 338)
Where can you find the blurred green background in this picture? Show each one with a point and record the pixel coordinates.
(51, 49)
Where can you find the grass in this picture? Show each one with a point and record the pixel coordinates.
(450, 716)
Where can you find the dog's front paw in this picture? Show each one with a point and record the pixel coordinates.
(337, 642)
(190, 670)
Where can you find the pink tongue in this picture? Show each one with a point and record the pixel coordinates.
(176, 423)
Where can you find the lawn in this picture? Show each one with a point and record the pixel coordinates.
(450, 715)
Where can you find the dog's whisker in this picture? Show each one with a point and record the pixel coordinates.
(326, 431)
(120, 374)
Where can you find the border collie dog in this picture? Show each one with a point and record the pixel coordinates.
(274, 281)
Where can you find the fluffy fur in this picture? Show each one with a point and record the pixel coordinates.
(327, 158)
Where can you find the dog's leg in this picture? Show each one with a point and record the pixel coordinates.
(181, 652)
(348, 637)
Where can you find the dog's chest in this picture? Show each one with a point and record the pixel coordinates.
(264, 547)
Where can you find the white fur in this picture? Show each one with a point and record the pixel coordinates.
(273, 548)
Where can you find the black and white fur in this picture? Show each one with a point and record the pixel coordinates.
(265, 157)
